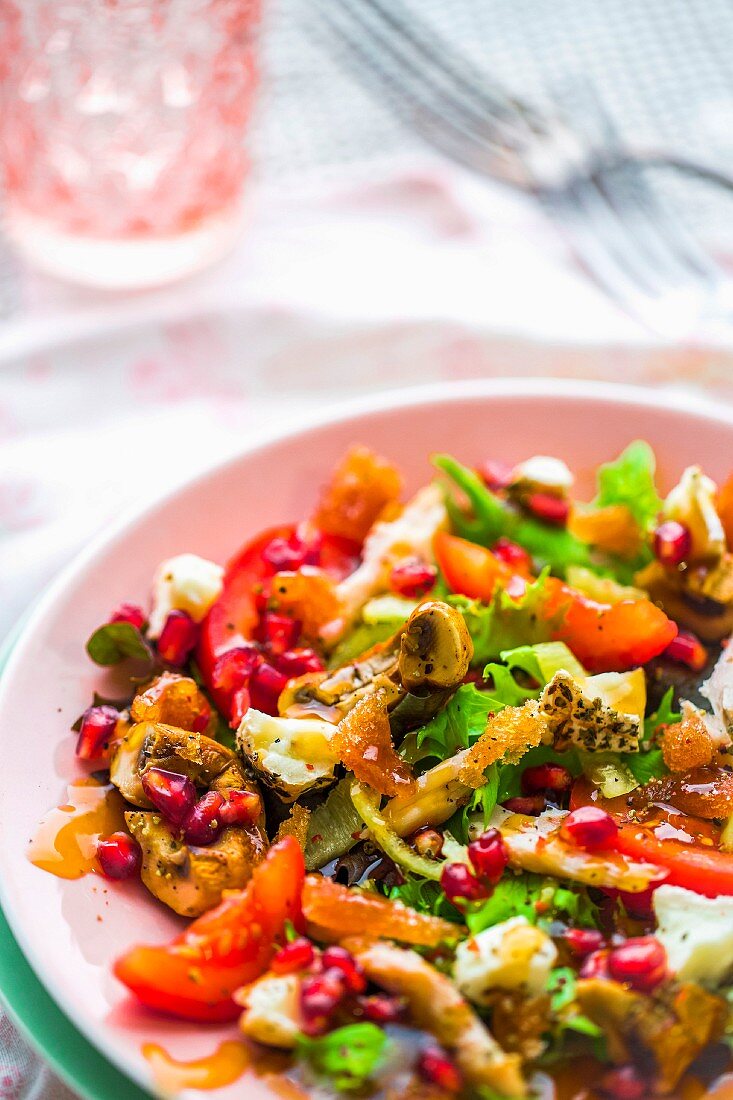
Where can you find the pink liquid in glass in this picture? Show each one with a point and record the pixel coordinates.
(122, 132)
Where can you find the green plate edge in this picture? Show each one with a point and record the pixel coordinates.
(39, 1018)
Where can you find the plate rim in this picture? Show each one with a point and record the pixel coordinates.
(39, 1018)
(300, 426)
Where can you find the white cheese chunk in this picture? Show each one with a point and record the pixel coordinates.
(510, 955)
(184, 583)
(697, 934)
(272, 1010)
(292, 755)
(543, 473)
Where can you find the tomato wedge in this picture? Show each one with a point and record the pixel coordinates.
(696, 863)
(195, 976)
(604, 637)
(232, 619)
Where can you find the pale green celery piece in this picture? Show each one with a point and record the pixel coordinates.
(388, 609)
(555, 657)
(366, 803)
(358, 641)
(608, 771)
(333, 828)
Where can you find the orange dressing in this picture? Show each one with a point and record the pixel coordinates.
(66, 841)
(222, 1067)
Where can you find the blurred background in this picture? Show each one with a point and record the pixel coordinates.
(216, 221)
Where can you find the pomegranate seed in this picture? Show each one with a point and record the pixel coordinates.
(511, 553)
(672, 543)
(531, 805)
(119, 855)
(98, 728)
(265, 687)
(546, 777)
(623, 1083)
(320, 996)
(129, 613)
(201, 720)
(203, 824)
(412, 578)
(435, 1066)
(172, 794)
(590, 827)
(238, 707)
(488, 855)
(381, 1009)
(496, 474)
(688, 650)
(427, 842)
(240, 808)
(596, 965)
(177, 638)
(294, 956)
(640, 961)
(460, 884)
(278, 632)
(282, 554)
(298, 662)
(234, 667)
(583, 941)
(338, 958)
(549, 508)
(639, 906)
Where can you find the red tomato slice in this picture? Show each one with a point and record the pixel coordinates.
(195, 976)
(232, 619)
(696, 864)
(604, 637)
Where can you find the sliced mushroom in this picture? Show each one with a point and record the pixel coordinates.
(190, 879)
(419, 667)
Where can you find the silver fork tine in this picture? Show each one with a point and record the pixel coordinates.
(452, 133)
(623, 234)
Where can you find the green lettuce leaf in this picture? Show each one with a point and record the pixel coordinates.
(455, 727)
(116, 642)
(629, 480)
(490, 517)
(348, 1056)
(426, 896)
(506, 623)
(664, 715)
(482, 803)
(561, 988)
(541, 900)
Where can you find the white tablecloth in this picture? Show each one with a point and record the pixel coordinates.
(416, 274)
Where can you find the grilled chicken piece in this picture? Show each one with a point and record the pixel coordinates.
(187, 878)
(418, 668)
(663, 1034)
(535, 844)
(436, 1005)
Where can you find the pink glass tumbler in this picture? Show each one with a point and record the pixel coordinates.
(122, 133)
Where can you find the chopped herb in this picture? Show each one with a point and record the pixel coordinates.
(348, 1057)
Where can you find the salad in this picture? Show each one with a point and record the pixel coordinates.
(444, 786)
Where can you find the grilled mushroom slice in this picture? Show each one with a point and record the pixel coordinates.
(419, 667)
(188, 878)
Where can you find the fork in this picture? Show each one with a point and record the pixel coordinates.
(593, 188)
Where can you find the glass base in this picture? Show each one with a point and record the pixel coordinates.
(121, 264)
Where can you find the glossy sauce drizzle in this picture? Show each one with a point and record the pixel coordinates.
(66, 841)
(223, 1066)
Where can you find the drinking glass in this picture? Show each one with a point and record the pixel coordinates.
(122, 127)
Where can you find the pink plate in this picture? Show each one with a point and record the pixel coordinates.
(72, 931)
